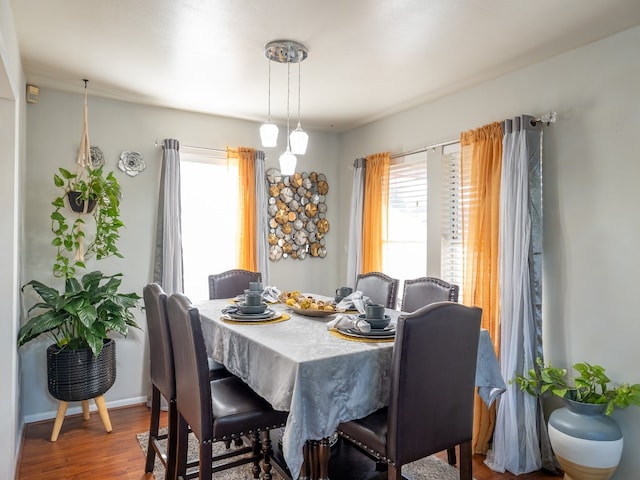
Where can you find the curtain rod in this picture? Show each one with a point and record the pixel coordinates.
(424, 149)
(222, 150)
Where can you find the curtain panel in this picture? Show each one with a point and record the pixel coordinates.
(262, 225)
(481, 161)
(374, 216)
(168, 271)
(354, 243)
(520, 433)
(247, 223)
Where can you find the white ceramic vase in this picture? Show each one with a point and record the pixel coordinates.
(587, 443)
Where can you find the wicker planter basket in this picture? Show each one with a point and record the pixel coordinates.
(75, 375)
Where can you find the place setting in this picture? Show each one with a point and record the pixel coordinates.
(251, 308)
(372, 326)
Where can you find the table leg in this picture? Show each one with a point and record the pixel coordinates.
(324, 453)
(304, 470)
(313, 458)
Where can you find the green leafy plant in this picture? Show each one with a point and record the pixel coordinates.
(83, 314)
(591, 385)
(69, 227)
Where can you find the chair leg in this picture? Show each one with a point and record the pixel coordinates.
(451, 456)
(206, 456)
(182, 446)
(153, 429)
(394, 473)
(172, 440)
(255, 445)
(266, 452)
(466, 461)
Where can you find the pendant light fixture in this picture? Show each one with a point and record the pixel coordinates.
(299, 138)
(269, 130)
(287, 159)
(286, 51)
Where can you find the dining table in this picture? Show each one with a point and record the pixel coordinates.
(320, 376)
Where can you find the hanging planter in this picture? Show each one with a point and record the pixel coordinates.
(78, 204)
(86, 192)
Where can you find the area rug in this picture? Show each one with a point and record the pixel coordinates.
(430, 468)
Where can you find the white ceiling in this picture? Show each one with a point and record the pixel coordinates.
(367, 58)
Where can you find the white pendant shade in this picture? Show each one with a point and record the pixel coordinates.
(288, 163)
(299, 140)
(269, 134)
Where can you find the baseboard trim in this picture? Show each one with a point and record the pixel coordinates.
(77, 409)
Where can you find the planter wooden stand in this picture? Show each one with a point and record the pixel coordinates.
(78, 376)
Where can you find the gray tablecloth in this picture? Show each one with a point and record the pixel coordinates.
(322, 380)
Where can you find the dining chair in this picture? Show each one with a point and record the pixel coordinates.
(162, 381)
(219, 410)
(231, 283)
(380, 288)
(422, 291)
(431, 390)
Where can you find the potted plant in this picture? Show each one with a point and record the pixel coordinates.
(87, 192)
(586, 441)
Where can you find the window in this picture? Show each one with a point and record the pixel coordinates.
(451, 256)
(405, 250)
(209, 192)
(424, 217)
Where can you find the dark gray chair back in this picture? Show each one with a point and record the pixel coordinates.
(160, 349)
(192, 372)
(432, 381)
(380, 288)
(231, 283)
(425, 290)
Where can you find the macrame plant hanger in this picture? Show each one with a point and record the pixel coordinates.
(82, 162)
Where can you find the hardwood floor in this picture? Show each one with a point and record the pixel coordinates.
(85, 451)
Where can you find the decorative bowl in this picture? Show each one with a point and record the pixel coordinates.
(252, 308)
(377, 323)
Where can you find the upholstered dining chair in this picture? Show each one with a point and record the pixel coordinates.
(422, 291)
(380, 288)
(231, 283)
(162, 381)
(217, 410)
(431, 390)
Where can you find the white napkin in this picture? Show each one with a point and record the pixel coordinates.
(355, 301)
(270, 294)
(349, 321)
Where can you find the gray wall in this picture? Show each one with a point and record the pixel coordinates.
(12, 106)
(591, 168)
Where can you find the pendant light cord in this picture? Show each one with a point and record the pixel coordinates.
(288, 95)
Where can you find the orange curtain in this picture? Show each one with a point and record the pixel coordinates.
(481, 154)
(247, 222)
(374, 214)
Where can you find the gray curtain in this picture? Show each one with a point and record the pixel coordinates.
(262, 227)
(520, 433)
(354, 245)
(168, 253)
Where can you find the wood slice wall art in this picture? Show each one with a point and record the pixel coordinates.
(297, 213)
